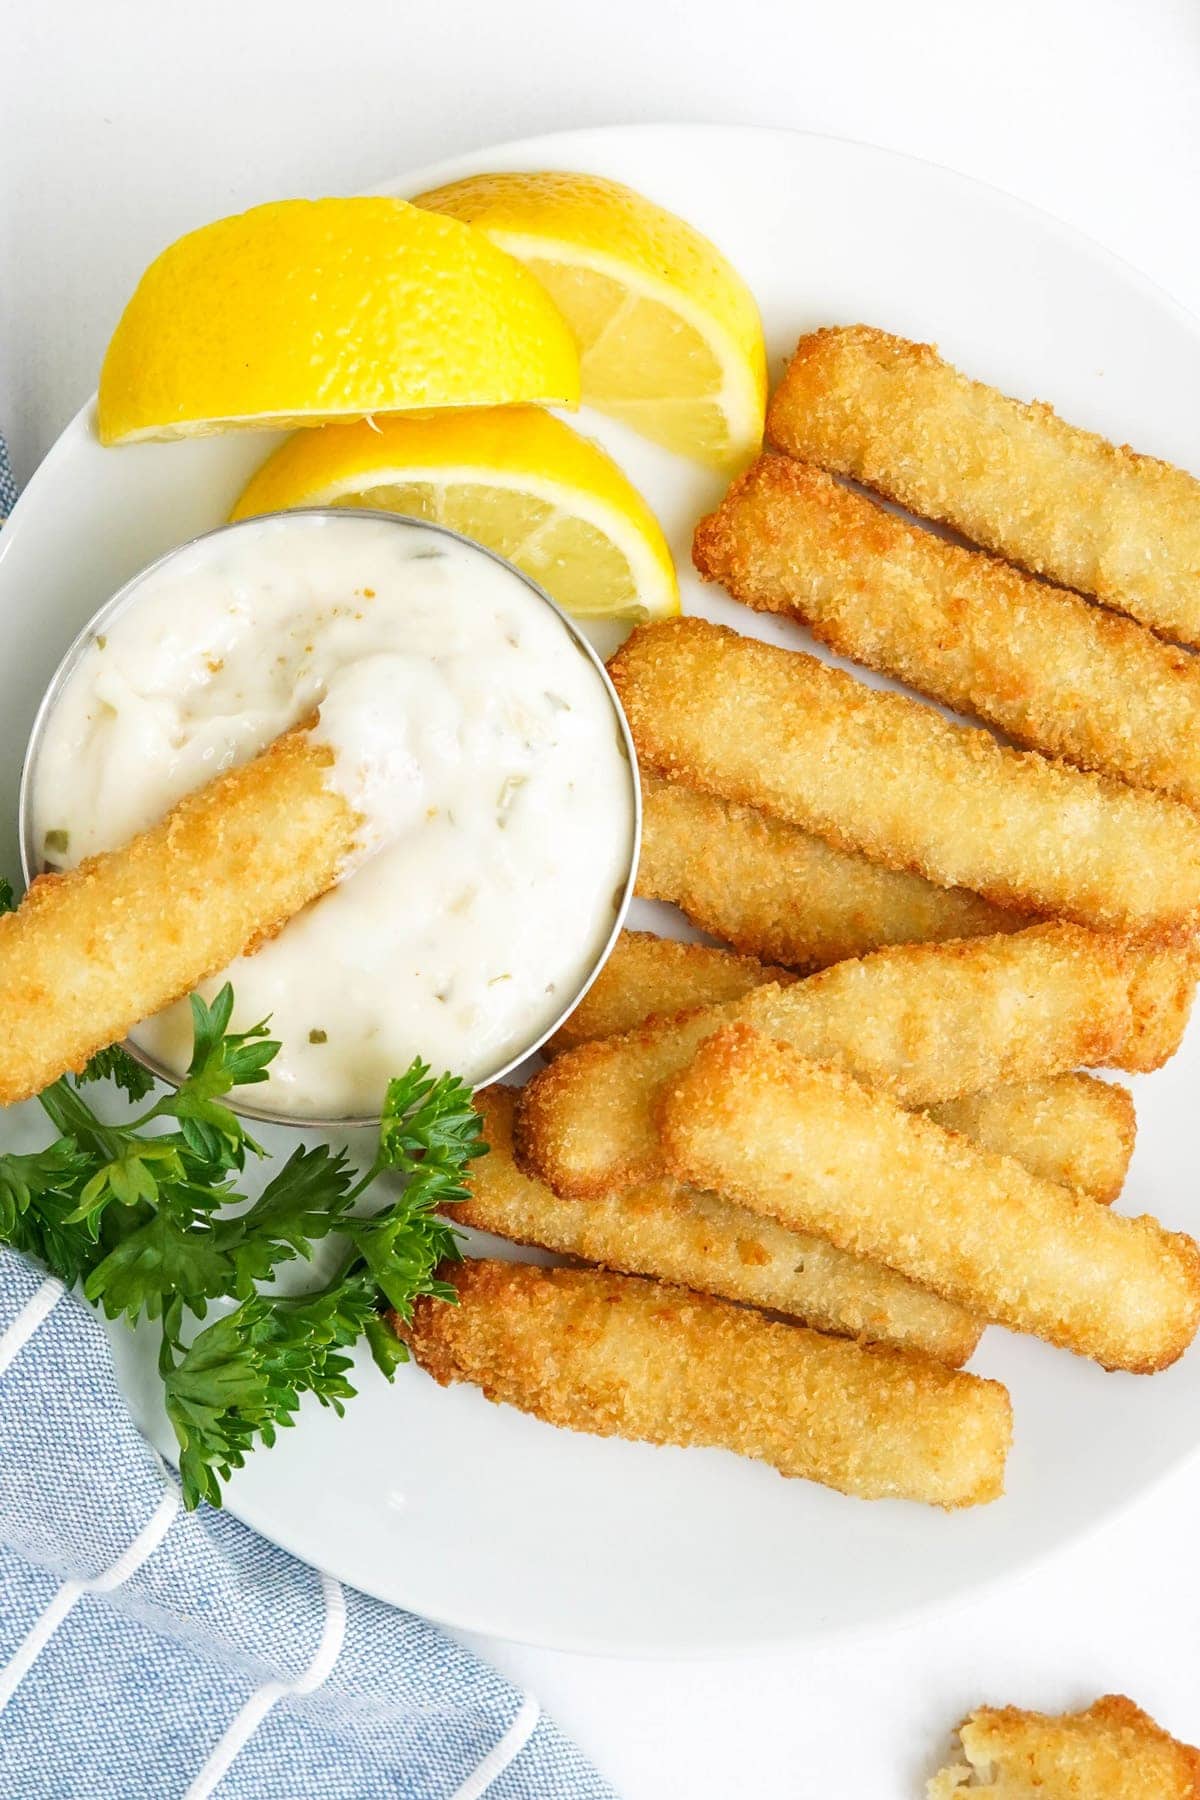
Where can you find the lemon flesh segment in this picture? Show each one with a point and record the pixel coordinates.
(669, 336)
(515, 480)
(308, 310)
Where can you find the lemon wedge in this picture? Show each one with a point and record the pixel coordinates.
(514, 479)
(307, 310)
(669, 335)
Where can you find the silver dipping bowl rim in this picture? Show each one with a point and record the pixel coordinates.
(126, 595)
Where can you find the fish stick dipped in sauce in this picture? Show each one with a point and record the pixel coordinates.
(621, 1357)
(475, 845)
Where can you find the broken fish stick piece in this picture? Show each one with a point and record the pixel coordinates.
(1073, 1129)
(1017, 479)
(926, 1022)
(815, 1150)
(1054, 672)
(647, 975)
(778, 892)
(703, 1242)
(884, 775)
(1113, 1751)
(89, 953)
(621, 1357)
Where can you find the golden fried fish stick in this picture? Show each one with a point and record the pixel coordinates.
(647, 975)
(621, 1357)
(809, 1146)
(1161, 993)
(887, 776)
(1015, 478)
(1053, 671)
(926, 1022)
(90, 953)
(1113, 1751)
(703, 1242)
(775, 891)
(1072, 1129)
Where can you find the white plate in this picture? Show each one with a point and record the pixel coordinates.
(474, 1514)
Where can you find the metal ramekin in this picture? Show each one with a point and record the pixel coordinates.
(126, 595)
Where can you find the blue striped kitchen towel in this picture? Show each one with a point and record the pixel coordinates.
(151, 1654)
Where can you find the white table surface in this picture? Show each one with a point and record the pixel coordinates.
(125, 122)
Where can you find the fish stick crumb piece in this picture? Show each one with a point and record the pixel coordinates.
(884, 775)
(1074, 1130)
(816, 1151)
(1053, 671)
(1113, 1751)
(91, 952)
(647, 976)
(784, 894)
(703, 1242)
(621, 1357)
(1016, 478)
(928, 1022)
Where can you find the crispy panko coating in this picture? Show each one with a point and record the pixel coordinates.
(622, 1357)
(926, 1022)
(781, 893)
(1061, 502)
(1113, 1751)
(809, 1146)
(1053, 671)
(647, 975)
(91, 952)
(889, 777)
(1161, 993)
(1072, 1129)
(705, 1243)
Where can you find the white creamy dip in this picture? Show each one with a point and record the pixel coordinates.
(475, 737)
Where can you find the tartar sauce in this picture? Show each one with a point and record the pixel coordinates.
(480, 745)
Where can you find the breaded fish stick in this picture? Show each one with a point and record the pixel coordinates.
(619, 1357)
(1161, 993)
(776, 891)
(1113, 1751)
(703, 1242)
(647, 975)
(926, 1022)
(809, 1146)
(1072, 1129)
(91, 952)
(884, 775)
(1061, 502)
(1054, 672)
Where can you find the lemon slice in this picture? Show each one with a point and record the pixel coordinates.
(514, 479)
(307, 310)
(669, 336)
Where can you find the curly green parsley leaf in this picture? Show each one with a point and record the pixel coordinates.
(149, 1215)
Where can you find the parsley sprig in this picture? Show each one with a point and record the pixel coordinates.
(142, 1214)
